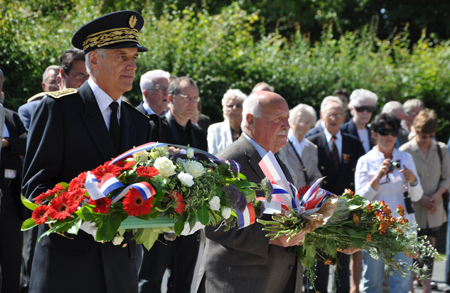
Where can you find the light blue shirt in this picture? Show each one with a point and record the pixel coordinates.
(261, 151)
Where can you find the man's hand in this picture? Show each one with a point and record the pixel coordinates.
(283, 240)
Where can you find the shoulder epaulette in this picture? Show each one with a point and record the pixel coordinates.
(37, 97)
(59, 94)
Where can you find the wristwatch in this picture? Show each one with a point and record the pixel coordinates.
(414, 183)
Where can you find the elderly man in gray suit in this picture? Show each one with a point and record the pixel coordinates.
(245, 260)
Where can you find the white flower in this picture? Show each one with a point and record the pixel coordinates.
(214, 203)
(190, 153)
(226, 213)
(194, 168)
(186, 179)
(165, 167)
(140, 156)
(117, 240)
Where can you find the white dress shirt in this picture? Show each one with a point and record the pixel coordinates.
(337, 141)
(391, 192)
(298, 145)
(103, 101)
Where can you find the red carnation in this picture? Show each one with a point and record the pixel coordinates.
(179, 208)
(103, 170)
(101, 205)
(40, 214)
(124, 165)
(60, 208)
(58, 189)
(77, 182)
(135, 204)
(148, 172)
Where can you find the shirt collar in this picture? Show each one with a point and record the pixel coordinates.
(294, 140)
(103, 99)
(261, 151)
(329, 135)
(147, 108)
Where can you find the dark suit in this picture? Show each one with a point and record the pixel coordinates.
(204, 122)
(350, 128)
(179, 255)
(314, 131)
(26, 112)
(337, 181)
(243, 260)
(12, 211)
(68, 135)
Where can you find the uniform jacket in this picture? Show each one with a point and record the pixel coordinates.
(337, 181)
(242, 260)
(350, 128)
(67, 136)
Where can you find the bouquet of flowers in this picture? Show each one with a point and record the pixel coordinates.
(148, 182)
(331, 224)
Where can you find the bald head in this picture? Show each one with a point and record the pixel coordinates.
(265, 119)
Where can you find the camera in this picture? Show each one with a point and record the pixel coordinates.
(394, 165)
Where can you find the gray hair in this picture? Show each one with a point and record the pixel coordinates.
(266, 85)
(391, 107)
(331, 99)
(361, 94)
(231, 93)
(304, 109)
(146, 82)
(100, 52)
(175, 88)
(411, 104)
(252, 106)
(51, 67)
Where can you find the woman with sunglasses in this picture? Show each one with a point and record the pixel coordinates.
(433, 165)
(387, 174)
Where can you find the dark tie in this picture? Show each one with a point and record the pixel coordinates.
(114, 128)
(335, 153)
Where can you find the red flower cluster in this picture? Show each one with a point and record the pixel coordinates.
(105, 169)
(135, 204)
(101, 205)
(180, 205)
(49, 194)
(148, 172)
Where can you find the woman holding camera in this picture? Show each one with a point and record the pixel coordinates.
(432, 161)
(387, 174)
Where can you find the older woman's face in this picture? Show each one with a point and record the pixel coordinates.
(424, 139)
(302, 122)
(233, 109)
(363, 111)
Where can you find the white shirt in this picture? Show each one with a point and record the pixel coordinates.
(392, 191)
(337, 141)
(365, 141)
(298, 145)
(103, 101)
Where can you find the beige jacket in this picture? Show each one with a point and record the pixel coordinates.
(429, 171)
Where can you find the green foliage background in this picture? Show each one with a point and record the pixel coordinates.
(232, 46)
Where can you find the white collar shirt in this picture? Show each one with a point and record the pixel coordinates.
(103, 101)
(299, 146)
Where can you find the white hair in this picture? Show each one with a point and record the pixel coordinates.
(147, 78)
(231, 93)
(361, 94)
(391, 107)
(331, 99)
(252, 106)
(304, 109)
(100, 52)
(51, 67)
(411, 104)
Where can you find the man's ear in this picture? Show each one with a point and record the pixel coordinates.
(93, 59)
(170, 98)
(250, 119)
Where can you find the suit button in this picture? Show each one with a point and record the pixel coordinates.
(325, 182)
(322, 168)
(353, 169)
(291, 267)
(351, 183)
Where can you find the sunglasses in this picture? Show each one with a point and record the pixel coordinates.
(369, 109)
(386, 131)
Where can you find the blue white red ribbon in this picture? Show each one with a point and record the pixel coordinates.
(247, 217)
(145, 189)
(314, 197)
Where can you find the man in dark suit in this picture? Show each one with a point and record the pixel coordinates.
(245, 260)
(76, 130)
(179, 254)
(338, 155)
(154, 86)
(12, 212)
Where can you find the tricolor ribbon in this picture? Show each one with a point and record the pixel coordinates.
(247, 217)
(314, 197)
(145, 189)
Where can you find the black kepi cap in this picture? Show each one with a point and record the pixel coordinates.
(111, 31)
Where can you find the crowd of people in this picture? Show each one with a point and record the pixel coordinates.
(82, 119)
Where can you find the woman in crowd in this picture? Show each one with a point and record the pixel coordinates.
(433, 166)
(300, 155)
(385, 173)
(222, 134)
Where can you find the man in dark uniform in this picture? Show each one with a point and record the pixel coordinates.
(76, 130)
(180, 254)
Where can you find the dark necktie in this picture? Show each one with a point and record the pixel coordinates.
(114, 128)
(335, 153)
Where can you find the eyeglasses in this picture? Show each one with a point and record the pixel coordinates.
(79, 76)
(160, 88)
(386, 131)
(189, 99)
(426, 136)
(369, 109)
(234, 105)
(335, 116)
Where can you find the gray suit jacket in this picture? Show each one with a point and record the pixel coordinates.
(242, 260)
(310, 160)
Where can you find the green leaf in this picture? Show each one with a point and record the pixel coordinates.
(202, 214)
(147, 237)
(26, 202)
(28, 224)
(76, 226)
(192, 221)
(179, 224)
(109, 226)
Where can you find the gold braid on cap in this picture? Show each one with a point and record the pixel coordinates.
(111, 36)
